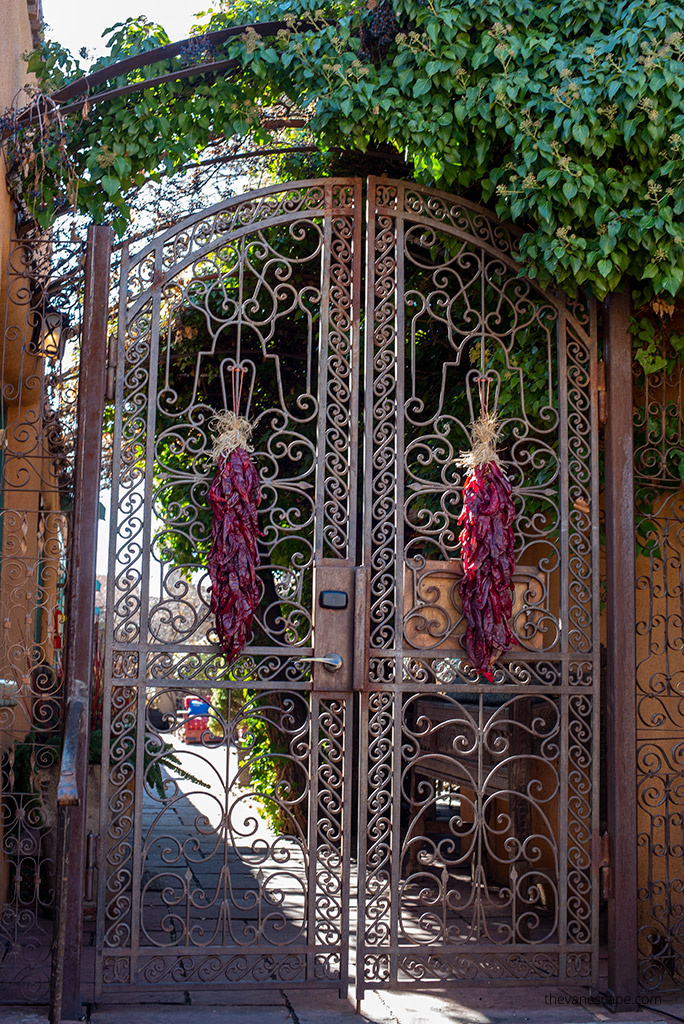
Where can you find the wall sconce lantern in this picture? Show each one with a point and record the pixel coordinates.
(53, 333)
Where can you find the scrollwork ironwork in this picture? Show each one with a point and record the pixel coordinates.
(659, 507)
(481, 798)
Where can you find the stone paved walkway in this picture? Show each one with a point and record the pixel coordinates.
(473, 1005)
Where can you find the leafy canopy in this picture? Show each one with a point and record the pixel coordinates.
(565, 116)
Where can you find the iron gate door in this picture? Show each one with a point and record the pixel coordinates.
(224, 804)
(479, 803)
(228, 812)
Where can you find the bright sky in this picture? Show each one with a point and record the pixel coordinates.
(77, 23)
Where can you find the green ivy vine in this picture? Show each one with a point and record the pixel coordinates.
(566, 117)
(657, 346)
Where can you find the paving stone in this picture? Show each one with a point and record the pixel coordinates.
(22, 1015)
(193, 1015)
(240, 998)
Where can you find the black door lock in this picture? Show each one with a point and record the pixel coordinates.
(333, 599)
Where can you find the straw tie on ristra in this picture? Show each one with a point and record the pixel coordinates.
(487, 544)
(235, 496)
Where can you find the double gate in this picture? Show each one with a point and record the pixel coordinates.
(398, 811)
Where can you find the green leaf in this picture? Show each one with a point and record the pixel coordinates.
(111, 185)
(422, 86)
(581, 133)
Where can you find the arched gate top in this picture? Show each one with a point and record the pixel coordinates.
(207, 230)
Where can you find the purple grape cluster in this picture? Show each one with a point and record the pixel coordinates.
(379, 33)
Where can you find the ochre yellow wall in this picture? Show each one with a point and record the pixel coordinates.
(19, 27)
(17, 36)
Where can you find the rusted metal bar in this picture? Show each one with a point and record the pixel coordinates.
(604, 867)
(82, 87)
(91, 864)
(66, 989)
(215, 68)
(601, 393)
(361, 626)
(112, 354)
(68, 793)
(621, 650)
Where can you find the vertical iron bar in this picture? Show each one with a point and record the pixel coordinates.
(399, 569)
(145, 603)
(347, 799)
(66, 988)
(312, 838)
(355, 556)
(364, 784)
(621, 644)
(564, 708)
(597, 410)
(362, 849)
(322, 384)
(107, 684)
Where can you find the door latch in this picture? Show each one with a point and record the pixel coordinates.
(333, 662)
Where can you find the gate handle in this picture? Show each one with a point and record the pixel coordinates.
(332, 662)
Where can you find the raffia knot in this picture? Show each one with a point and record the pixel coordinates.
(484, 433)
(231, 432)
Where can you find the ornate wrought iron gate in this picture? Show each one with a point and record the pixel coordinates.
(267, 284)
(229, 861)
(479, 807)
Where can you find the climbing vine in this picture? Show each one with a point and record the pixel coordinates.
(566, 118)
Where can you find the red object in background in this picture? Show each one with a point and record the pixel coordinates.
(57, 629)
(196, 719)
(487, 553)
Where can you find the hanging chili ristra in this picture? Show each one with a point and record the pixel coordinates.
(235, 496)
(487, 549)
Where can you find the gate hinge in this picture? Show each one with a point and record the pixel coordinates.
(601, 393)
(92, 847)
(112, 353)
(605, 869)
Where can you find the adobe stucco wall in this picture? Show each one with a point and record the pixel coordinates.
(19, 28)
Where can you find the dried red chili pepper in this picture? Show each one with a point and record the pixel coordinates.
(487, 551)
(235, 496)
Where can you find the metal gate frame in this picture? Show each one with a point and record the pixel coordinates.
(126, 956)
(397, 939)
(622, 950)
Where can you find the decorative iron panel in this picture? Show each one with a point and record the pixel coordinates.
(659, 507)
(38, 392)
(479, 801)
(227, 860)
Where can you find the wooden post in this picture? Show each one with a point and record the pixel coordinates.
(621, 650)
(66, 973)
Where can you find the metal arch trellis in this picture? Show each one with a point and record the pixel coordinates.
(71, 97)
